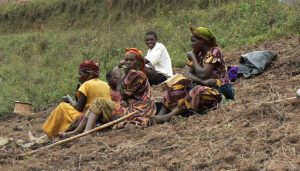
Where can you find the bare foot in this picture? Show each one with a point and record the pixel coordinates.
(31, 136)
(55, 139)
(40, 140)
(159, 119)
(64, 135)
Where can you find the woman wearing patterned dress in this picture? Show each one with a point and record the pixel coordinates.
(205, 77)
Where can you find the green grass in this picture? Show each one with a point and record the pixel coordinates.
(42, 42)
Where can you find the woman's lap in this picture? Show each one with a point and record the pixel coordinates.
(60, 119)
(199, 98)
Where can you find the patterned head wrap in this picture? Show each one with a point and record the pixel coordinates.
(138, 56)
(205, 34)
(90, 66)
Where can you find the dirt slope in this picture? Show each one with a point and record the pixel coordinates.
(247, 134)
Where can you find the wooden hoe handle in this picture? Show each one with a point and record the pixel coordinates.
(84, 133)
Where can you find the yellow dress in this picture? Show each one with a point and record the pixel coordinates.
(65, 114)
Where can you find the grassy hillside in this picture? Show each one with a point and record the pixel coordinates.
(42, 42)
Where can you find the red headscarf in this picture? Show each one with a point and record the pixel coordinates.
(90, 66)
(138, 56)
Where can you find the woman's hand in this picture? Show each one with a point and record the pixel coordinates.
(209, 82)
(121, 63)
(191, 55)
(67, 99)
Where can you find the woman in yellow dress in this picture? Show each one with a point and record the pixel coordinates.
(134, 88)
(70, 110)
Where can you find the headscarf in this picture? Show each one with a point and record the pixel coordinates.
(138, 56)
(206, 34)
(90, 66)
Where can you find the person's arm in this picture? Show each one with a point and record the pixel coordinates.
(77, 87)
(120, 88)
(82, 99)
(121, 63)
(189, 72)
(120, 79)
(206, 82)
(154, 57)
(148, 63)
(200, 72)
(79, 104)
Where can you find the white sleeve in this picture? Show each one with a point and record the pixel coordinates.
(154, 56)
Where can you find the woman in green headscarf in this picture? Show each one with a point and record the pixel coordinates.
(206, 73)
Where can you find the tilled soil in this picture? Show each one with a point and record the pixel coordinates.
(245, 134)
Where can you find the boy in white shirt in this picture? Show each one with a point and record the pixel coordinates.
(159, 66)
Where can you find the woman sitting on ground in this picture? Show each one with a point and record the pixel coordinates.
(206, 77)
(135, 90)
(70, 110)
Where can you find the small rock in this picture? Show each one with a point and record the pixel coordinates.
(3, 141)
(41, 141)
(28, 145)
(19, 142)
(18, 128)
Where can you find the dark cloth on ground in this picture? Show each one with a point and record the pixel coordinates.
(254, 63)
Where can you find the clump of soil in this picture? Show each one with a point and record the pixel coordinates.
(246, 134)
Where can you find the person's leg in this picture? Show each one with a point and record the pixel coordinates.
(78, 129)
(91, 122)
(60, 119)
(200, 98)
(163, 110)
(167, 117)
(100, 108)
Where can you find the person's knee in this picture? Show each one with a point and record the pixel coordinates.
(98, 103)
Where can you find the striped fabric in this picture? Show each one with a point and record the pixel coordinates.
(187, 95)
(200, 98)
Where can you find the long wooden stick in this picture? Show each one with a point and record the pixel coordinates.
(290, 99)
(84, 133)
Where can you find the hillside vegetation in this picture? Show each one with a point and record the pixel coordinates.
(42, 42)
